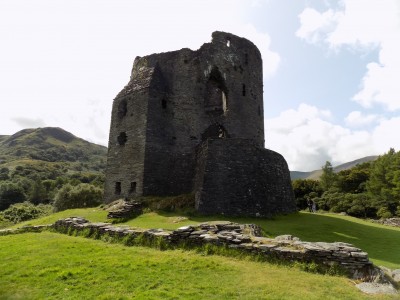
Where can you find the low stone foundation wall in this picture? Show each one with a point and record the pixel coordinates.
(37, 228)
(395, 222)
(243, 237)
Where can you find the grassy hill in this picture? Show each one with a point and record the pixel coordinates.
(53, 266)
(50, 148)
(316, 174)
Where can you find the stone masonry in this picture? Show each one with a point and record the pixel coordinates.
(243, 237)
(192, 122)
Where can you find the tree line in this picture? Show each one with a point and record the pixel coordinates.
(27, 192)
(368, 190)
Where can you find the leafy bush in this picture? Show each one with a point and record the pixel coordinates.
(384, 213)
(10, 193)
(25, 211)
(79, 196)
(3, 222)
(4, 172)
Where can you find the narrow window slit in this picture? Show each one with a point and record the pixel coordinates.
(122, 138)
(243, 89)
(118, 188)
(122, 109)
(132, 188)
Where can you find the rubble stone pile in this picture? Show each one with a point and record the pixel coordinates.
(395, 222)
(125, 209)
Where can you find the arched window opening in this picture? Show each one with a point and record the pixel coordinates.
(228, 42)
(215, 101)
(164, 104)
(215, 131)
(122, 109)
(243, 89)
(118, 188)
(122, 138)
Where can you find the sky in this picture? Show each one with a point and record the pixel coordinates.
(331, 68)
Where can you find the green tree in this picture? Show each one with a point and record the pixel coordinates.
(38, 193)
(328, 177)
(10, 193)
(384, 182)
(360, 205)
(332, 200)
(81, 195)
(354, 180)
(305, 189)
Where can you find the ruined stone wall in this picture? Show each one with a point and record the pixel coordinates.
(237, 178)
(178, 99)
(177, 103)
(242, 237)
(126, 145)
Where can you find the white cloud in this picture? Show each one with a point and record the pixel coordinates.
(384, 135)
(358, 119)
(29, 122)
(270, 58)
(363, 24)
(56, 58)
(315, 25)
(307, 139)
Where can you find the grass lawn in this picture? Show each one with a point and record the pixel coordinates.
(94, 214)
(381, 242)
(54, 266)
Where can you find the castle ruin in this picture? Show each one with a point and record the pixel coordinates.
(192, 122)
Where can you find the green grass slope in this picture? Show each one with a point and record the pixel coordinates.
(381, 242)
(55, 266)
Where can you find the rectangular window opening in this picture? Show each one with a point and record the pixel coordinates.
(132, 189)
(118, 188)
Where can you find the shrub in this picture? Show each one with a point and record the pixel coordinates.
(25, 211)
(79, 196)
(384, 213)
(10, 193)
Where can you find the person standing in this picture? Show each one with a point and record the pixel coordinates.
(314, 206)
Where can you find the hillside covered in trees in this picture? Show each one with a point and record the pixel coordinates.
(368, 190)
(48, 166)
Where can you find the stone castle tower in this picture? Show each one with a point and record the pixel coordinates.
(192, 122)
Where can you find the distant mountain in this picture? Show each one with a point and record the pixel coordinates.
(51, 144)
(317, 173)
